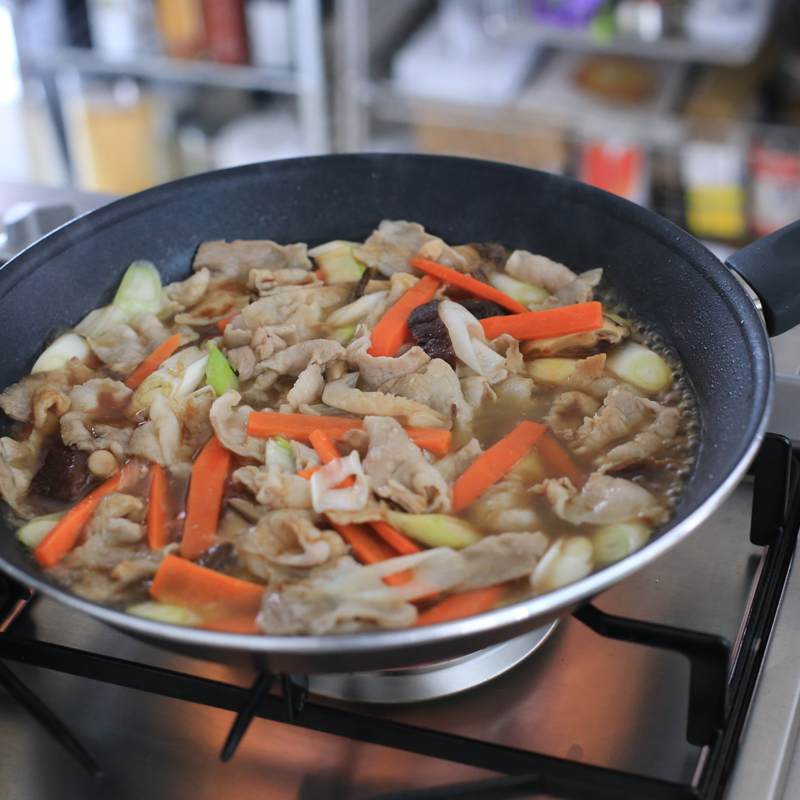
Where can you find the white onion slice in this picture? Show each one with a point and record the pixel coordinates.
(463, 327)
(352, 498)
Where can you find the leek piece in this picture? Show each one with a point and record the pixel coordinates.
(356, 311)
(614, 542)
(529, 469)
(32, 533)
(179, 375)
(59, 353)
(625, 323)
(551, 370)
(524, 293)
(276, 453)
(344, 335)
(284, 443)
(165, 612)
(140, 290)
(436, 530)
(337, 263)
(219, 373)
(640, 366)
(100, 321)
(567, 560)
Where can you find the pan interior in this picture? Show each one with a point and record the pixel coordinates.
(659, 270)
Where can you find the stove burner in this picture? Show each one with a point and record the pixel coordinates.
(432, 680)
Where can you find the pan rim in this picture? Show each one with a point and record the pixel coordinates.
(704, 264)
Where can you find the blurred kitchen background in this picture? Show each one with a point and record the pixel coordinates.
(690, 107)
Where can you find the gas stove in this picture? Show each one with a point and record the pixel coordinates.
(681, 682)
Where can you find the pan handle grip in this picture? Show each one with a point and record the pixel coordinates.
(771, 267)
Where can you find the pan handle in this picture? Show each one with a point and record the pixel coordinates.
(771, 267)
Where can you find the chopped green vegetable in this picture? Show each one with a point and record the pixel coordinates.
(33, 532)
(524, 293)
(551, 370)
(276, 453)
(566, 561)
(284, 443)
(59, 353)
(614, 542)
(219, 373)
(337, 263)
(165, 612)
(625, 323)
(529, 469)
(140, 290)
(436, 530)
(640, 366)
(100, 321)
(179, 375)
(344, 335)
(356, 311)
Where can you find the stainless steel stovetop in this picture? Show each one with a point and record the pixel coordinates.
(580, 697)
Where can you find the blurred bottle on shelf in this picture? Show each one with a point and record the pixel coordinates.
(29, 149)
(181, 27)
(616, 165)
(269, 33)
(113, 132)
(775, 190)
(121, 29)
(226, 34)
(713, 176)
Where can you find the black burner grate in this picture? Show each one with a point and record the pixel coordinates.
(719, 695)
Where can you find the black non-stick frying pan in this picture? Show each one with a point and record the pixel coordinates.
(662, 272)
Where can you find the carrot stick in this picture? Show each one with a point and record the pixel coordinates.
(396, 539)
(368, 548)
(547, 324)
(392, 330)
(153, 361)
(491, 465)
(64, 535)
(307, 473)
(463, 604)
(223, 323)
(478, 288)
(186, 584)
(327, 451)
(205, 499)
(325, 447)
(157, 509)
(263, 424)
(558, 461)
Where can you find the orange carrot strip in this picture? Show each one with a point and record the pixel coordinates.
(223, 323)
(463, 604)
(205, 590)
(307, 473)
(473, 286)
(153, 361)
(327, 451)
(64, 535)
(558, 461)
(494, 463)
(367, 547)
(392, 330)
(396, 539)
(263, 424)
(325, 447)
(547, 324)
(205, 499)
(157, 509)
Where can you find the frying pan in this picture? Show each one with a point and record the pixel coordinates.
(661, 271)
